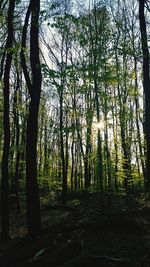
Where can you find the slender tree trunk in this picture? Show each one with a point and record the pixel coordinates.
(34, 88)
(137, 122)
(67, 145)
(15, 177)
(12, 154)
(115, 134)
(6, 124)
(146, 85)
(72, 161)
(108, 158)
(100, 175)
(122, 117)
(64, 175)
(40, 169)
(22, 149)
(33, 202)
(89, 119)
(99, 141)
(46, 169)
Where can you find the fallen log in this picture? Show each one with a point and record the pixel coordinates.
(69, 250)
(96, 261)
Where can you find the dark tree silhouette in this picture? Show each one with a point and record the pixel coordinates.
(146, 85)
(34, 88)
(6, 124)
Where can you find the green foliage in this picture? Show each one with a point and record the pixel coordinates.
(86, 49)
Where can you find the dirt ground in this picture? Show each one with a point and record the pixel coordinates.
(90, 230)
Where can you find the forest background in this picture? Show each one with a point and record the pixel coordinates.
(75, 112)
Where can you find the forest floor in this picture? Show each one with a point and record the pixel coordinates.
(90, 230)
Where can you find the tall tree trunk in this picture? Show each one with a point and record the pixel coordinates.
(107, 150)
(15, 173)
(46, 165)
(137, 122)
(99, 141)
(16, 120)
(89, 119)
(115, 134)
(72, 161)
(34, 88)
(146, 85)
(122, 96)
(95, 50)
(33, 202)
(64, 174)
(6, 125)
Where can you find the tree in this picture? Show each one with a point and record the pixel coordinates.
(34, 88)
(146, 86)
(6, 123)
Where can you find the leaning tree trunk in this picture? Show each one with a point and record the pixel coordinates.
(6, 125)
(146, 85)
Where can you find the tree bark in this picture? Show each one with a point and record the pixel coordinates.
(34, 88)
(146, 86)
(6, 125)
